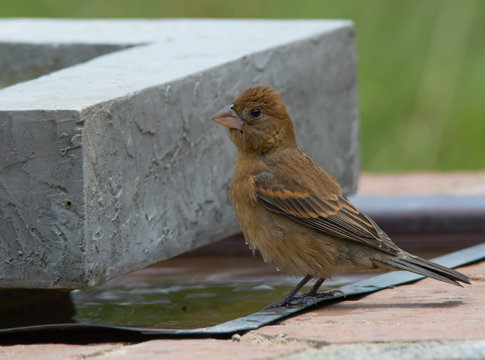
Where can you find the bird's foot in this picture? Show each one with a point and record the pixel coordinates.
(313, 296)
(278, 304)
(323, 294)
(304, 298)
(297, 300)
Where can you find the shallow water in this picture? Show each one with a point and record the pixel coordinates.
(173, 306)
(187, 292)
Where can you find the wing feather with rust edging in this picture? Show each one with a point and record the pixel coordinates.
(328, 213)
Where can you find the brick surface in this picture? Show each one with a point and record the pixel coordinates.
(156, 349)
(426, 310)
(56, 351)
(203, 349)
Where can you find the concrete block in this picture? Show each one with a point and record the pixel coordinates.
(112, 164)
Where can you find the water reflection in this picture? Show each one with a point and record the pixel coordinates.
(169, 295)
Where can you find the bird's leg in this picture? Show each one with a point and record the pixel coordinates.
(291, 294)
(313, 292)
(297, 288)
(314, 289)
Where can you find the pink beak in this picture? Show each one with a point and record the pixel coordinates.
(228, 118)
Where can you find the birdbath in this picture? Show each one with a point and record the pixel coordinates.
(110, 163)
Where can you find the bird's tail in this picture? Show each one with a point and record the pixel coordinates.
(424, 267)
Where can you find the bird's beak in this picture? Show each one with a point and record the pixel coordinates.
(228, 118)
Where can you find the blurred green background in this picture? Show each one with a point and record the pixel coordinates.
(421, 67)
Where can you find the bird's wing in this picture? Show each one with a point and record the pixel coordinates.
(329, 213)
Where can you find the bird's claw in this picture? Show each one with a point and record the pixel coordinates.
(303, 299)
(277, 304)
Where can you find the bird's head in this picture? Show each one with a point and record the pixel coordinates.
(257, 121)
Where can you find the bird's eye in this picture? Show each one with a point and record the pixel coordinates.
(255, 113)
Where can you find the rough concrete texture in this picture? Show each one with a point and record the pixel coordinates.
(113, 164)
(468, 350)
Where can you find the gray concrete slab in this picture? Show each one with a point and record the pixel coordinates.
(432, 350)
(112, 164)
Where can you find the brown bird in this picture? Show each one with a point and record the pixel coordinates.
(293, 212)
